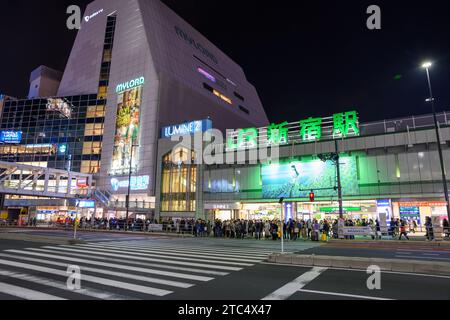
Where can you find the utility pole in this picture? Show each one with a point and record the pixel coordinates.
(129, 188)
(338, 171)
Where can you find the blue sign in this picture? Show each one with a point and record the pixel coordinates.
(186, 129)
(86, 204)
(11, 136)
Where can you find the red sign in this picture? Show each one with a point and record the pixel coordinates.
(422, 204)
(82, 183)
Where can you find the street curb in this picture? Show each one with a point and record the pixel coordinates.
(39, 239)
(444, 243)
(394, 265)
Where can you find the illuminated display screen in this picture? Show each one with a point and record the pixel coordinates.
(59, 105)
(127, 130)
(137, 183)
(296, 179)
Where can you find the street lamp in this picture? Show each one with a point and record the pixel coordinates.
(129, 186)
(427, 65)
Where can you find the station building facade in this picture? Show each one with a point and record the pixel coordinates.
(389, 167)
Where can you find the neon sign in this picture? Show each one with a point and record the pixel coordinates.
(186, 129)
(207, 75)
(130, 84)
(339, 126)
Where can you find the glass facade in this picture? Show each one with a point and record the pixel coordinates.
(179, 182)
(60, 133)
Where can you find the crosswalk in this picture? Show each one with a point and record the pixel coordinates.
(124, 270)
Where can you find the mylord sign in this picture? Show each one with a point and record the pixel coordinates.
(130, 84)
(11, 136)
(186, 129)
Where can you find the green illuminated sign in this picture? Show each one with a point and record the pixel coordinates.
(336, 209)
(345, 123)
(340, 125)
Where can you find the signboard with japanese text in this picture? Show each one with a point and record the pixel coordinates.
(339, 126)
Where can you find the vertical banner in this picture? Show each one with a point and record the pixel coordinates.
(127, 130)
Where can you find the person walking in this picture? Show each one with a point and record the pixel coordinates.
(446, 228)
(403, 230)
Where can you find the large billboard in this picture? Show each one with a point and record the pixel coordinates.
(127, 131)
(296, 179)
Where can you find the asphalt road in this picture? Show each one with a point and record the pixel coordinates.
(412, 251)
(190, 269)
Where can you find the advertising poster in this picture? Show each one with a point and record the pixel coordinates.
(297, 179)
(127, 130)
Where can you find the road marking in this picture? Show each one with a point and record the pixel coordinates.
(207, 250)
(94, 293)
(344, 295)
(291, 288)
(102, 281)
(194, 248)
(137, 263)
(123, 267)
(26, 294)
(96, 250)
(360, 270)
(178, 253)
(207, 266)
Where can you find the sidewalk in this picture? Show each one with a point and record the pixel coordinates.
(357, 263)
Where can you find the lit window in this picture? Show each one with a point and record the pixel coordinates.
(94, 129)
(92, 148)
(90, 167)
(96, 112)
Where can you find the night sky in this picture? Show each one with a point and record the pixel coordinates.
(305, 58)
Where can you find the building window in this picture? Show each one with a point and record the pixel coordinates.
(96, 112)
(94, 129)
(179, 182)
(92, 148)
(90, 167)
(243, 109)
(102, 92)
(237, 95)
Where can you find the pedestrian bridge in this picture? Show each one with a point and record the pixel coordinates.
(25, 180)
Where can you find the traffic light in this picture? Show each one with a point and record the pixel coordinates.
(312, 196)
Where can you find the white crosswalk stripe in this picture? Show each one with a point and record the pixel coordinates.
(118, 270)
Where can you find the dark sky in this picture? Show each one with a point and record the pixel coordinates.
(305, 58)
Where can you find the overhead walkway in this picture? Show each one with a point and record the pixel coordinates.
(25, 180)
